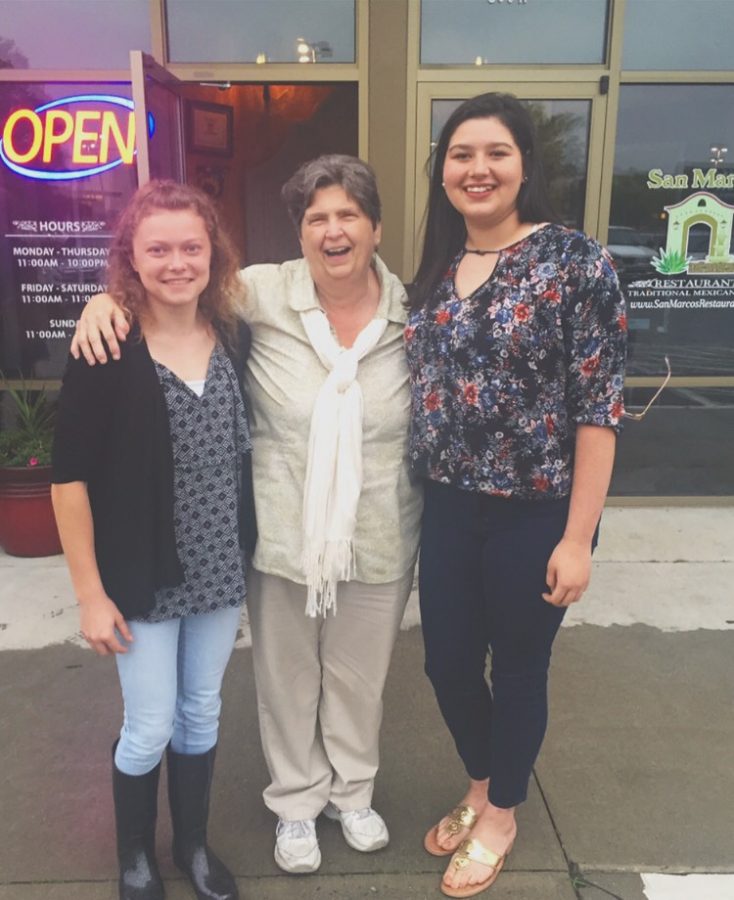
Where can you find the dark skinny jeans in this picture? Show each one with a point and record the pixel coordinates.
(482, 571)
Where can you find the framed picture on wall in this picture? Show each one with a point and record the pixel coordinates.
(209, 128)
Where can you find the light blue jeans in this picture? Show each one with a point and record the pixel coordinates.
(171, 677)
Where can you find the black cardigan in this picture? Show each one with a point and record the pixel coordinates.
(112, 433)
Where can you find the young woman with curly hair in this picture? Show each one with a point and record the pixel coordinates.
(149, 460)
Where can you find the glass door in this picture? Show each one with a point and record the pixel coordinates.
(159, 128)
(570, 121)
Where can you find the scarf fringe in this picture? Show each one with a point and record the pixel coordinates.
(324, 566)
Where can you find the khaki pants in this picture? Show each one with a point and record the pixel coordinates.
(319, 689)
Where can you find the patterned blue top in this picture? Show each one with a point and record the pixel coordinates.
(208, 435)
(501, 378)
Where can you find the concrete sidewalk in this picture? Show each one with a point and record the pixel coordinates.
(635, 776)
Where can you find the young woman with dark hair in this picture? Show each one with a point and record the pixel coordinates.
(445, 231)
(516, 349)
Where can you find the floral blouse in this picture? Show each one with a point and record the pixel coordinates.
(501, 379)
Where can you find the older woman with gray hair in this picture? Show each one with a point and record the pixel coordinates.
(338, 512)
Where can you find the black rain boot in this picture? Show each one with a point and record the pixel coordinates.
(136, 810)
(189, 786)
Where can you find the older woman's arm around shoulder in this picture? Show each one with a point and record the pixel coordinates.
(101, 620)
(101, 324)
(569, 567)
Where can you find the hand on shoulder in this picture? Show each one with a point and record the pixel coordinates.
(102, 324)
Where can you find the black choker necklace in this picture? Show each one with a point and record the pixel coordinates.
(481, 252)
(501, 249)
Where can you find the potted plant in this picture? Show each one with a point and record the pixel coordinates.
(27, 524)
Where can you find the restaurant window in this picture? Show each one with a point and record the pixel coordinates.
(66, 171)
(671, 227)
(671, 233)
(678, 34)
(75, 34)
(683, 446)
(262, 31)
(466, 32)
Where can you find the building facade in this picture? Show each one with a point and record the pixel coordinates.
(633, 100)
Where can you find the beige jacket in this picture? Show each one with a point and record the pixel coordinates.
(283, 378)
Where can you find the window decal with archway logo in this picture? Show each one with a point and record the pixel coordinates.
(701, 208)
(693, 268)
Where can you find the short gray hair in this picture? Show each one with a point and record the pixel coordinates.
(356, 177)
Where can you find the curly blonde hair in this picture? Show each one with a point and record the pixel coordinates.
(218, 301)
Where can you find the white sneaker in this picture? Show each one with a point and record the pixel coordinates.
(364, 829)
(296, 846)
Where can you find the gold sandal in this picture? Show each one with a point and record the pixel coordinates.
(458, 819)
(470, 851)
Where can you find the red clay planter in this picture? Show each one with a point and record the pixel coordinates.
(27, 524)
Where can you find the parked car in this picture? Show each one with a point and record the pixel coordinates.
(630, 252)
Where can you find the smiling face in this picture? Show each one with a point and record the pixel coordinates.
(483, 172)
(338, 238)
(172, 255)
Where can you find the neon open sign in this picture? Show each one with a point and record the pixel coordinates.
(95, 132)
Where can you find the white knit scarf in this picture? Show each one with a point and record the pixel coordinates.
(334, 467)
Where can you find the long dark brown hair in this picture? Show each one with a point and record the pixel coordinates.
(219, 298)
(445, 231)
